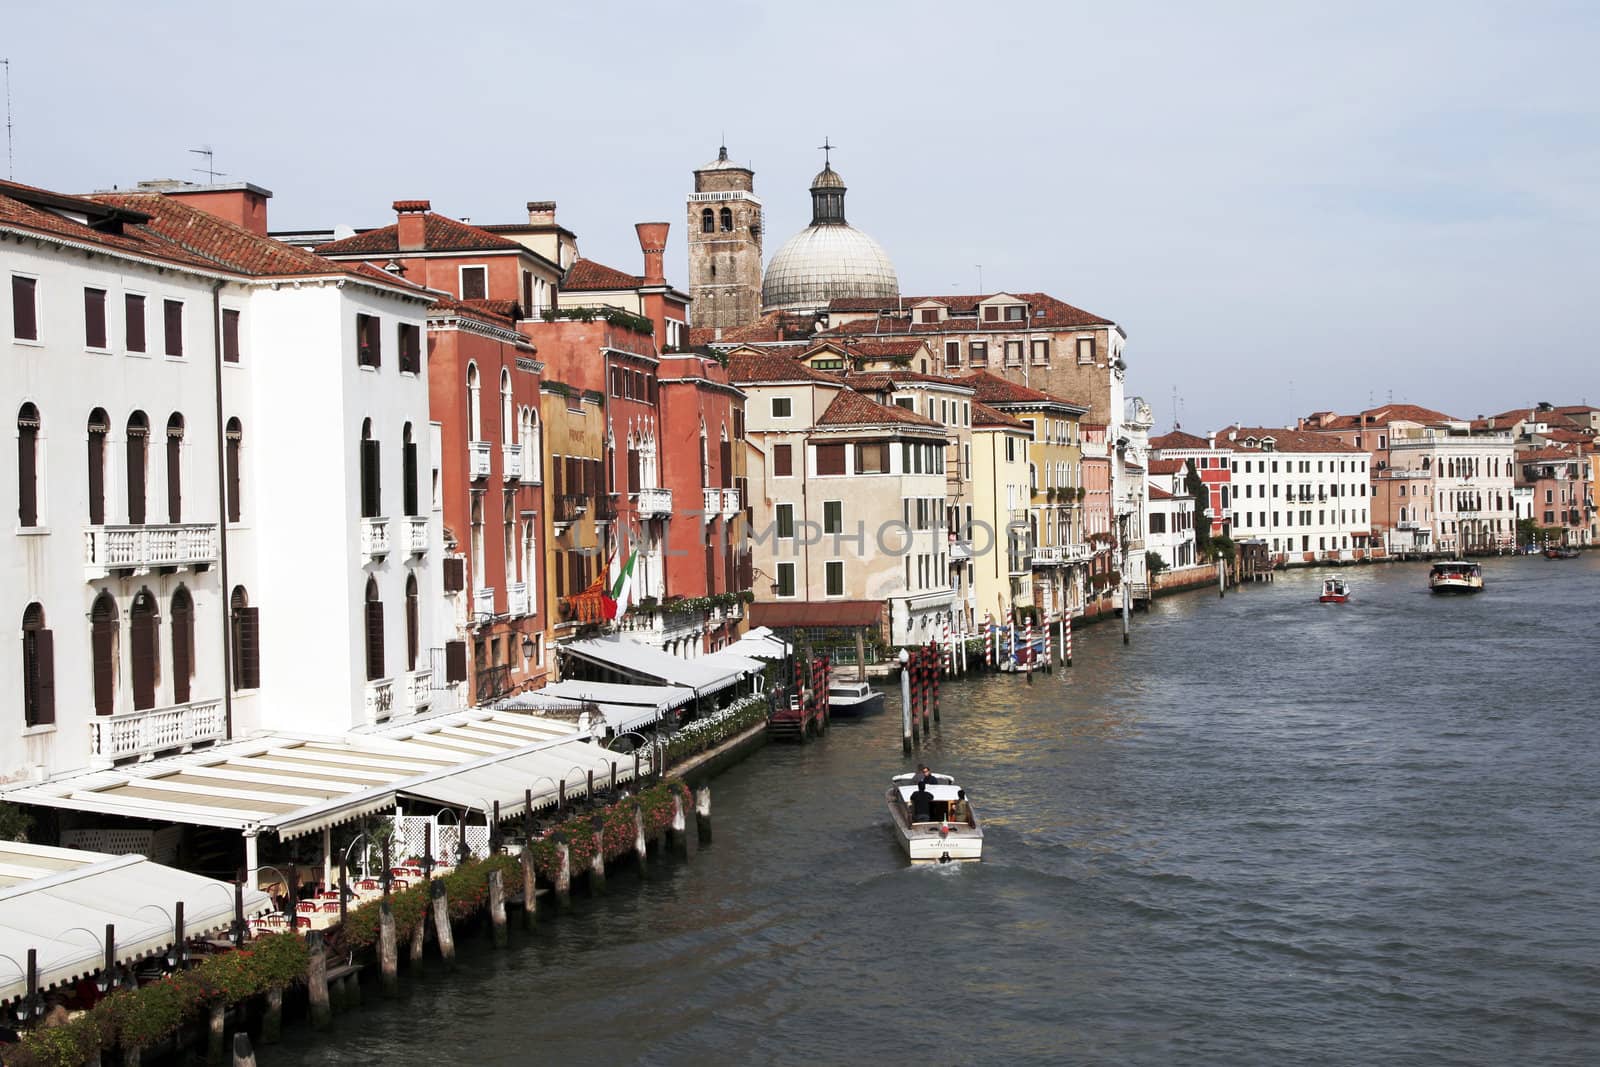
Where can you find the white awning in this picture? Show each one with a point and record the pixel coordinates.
(59, 900)
(760, 643)
(704, 676)
(624, 707)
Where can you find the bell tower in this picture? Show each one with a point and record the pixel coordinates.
(724, 245)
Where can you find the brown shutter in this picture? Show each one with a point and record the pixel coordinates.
(137, 440)
(97, 477)
(782, 460)
(412, 631)
(103, 638)
(182, 653)
(44, 658)
(133, 322)
(455, 574)
(408, 457)
(142, 634)
(374, 640)
(27, 475)
(455, 661)
(172, 318)
(233, 479)
(174, 481)
(633, 470)
(711, 567)
(230, 336)
(94, 318)
(247, 648)
(371, 493)
(727, 464)
(24, 313)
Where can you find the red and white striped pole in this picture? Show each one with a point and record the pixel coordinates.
(989, 640)
(1011, 635)
(1066, 639)
(1049, 650)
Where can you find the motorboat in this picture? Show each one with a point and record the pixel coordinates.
(847, 699)
(1456, 576)
(1560, 552)
(936, 823)
(1335, 591)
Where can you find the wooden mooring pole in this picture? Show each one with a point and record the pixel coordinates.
(702, 814)
(388, 950)
(597, 864)
(317, 981)
(497, 907)
(243, 1054)
(442, 931)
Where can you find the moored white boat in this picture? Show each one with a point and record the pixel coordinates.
(852, 698)
(940, 827)
(1456, 576)
(1335, 591)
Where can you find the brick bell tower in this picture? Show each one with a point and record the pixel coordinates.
(724, 245)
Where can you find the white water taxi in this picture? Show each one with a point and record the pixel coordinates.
(934, 824)
(1456, 576)
(846, 699)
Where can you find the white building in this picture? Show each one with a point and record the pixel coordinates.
(204, 415)
(1171, 515)
(1305, 494)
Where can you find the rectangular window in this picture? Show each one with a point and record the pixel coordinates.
(1041, 351)
(133, 321)
(872, 459)
(833, 577)
(410, 348)
(1013, 353)
(952, 353)
(172, 326)
(927, 315)
(230, 335)
(782, 407)
(832, 516)
(991, 314)
(782, 461)
(978, 353)
(94, 318)
(369, 343)
(24, 310)
(1016, 313)
(786, 579)
(1086, 350)
(830, 459)
(784, 515)
(474, 283)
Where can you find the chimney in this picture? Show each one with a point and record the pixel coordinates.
(413, 224)
(653, 242)
(541, 212)
(240, 203)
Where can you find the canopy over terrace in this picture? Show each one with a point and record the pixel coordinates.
(624, 707)
(630, 659)
(292, 786)
(58, 901)
(760, 643)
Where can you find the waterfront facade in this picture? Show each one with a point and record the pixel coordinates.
(1304, 494)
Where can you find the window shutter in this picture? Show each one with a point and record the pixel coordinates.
(24, 313)
(711, 567)
(97, 477)
(409, 461)
(44, 658)
(136, 460)
(142, 631)
(371, 502)
(374, 640)
(172, 316)
(233, 478)
(103, 636)
(455, 574)
(455, 661)
(727, 464)
(174, 481)
(782, 460)
(27, 476)
(247, 653)
(633, 470)
(94, 318)
(133, 318)
(230, 336)
(412, 631)
(182, 647)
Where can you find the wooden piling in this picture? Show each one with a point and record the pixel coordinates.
(530, 892)
(563, 876)
(497, 907)
(680, 826)
(132, 1057)
(597, 863)
(272, 1018)
(317, 982)
(419, 934)
(442, 931)
(216, 1030)
(638, 838)
(388, 950)
(702, 814)
(243, 1054)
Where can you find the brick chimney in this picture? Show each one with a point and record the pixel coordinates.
(413, 224)
(541, 212)
(653, 242)
(240, 203)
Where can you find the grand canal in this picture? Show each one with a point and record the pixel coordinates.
(1268, 831)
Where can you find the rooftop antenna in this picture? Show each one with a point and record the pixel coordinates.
(11, 161)
(980, 278)
(1176, 423)
(210, 169)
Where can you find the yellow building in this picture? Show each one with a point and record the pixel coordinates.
(998, 535)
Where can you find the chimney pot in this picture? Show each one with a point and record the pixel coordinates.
(653, 242)
(542, 212)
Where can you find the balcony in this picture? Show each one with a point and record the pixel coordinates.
(654, 503)
(483, 601)
(379, 704)
(517, 598)
(605, 507)
(712, 505)
(511, 462)
(731, 504)
(142, 548)
(416, 528)
(1047, 555)
(374, 539)
(419, 685)
(569, 507)
(478, 459)
(960, 551)
(144, 733)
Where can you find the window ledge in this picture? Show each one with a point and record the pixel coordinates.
(98, 351)
(32, 531)
(39, 730)
(27, 343)
(136, 355)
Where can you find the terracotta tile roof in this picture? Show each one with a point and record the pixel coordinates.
(1569, 437)
(1168, 466)
(984, 415)
(994, 390)
(1158, 493)
(755, 367)
(586, 275)
(476, 309)
(1549, 453)
(216, 240)
(850, 408)
(1056, 313)
(1285, 440)
(883, 349)
(505, 309)
(28, 207)
(773, 326)
(888, 379)
(373, 272)
(439, 234)
(1383, 415)
(1177, 439)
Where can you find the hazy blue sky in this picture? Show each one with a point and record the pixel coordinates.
(1287, 206)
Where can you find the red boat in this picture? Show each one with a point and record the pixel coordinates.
(1335, 591)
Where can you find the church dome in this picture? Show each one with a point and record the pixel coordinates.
(827, 260)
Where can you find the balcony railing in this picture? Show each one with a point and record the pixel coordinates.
(416, 535)
(570, 506)
(960, 550)
(654, 502)
(478, 458)
(1047, 555)
(511, 462)
(731, 504)
(144, 733)
(712, 504)
(517, 598)
(142, 548)
(379, 703)
(483, 601)
(420, 684)
(374, 538)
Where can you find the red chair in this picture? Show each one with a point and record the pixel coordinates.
(306, 907)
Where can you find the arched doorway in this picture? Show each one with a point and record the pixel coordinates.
(144, 626)
(103, 651)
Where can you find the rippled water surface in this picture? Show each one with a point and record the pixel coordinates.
(1268, 831)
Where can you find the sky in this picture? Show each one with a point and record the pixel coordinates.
(1287, 207)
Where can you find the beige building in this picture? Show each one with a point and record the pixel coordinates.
(999, 545)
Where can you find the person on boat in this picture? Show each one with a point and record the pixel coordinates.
(921, 804)
(958, 808)
(924, 776)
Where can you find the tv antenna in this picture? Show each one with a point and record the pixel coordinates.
(210, 169)
(980, 278)
(11, 161)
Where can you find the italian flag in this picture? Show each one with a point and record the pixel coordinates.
(620, 596)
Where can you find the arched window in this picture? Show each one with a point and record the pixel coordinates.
(28, 465)
(408, 476)
(38, 669)
(103, 652)
(374, 634)
(725, 459)
(474, 406)
(371, 483)
(727, 220)
(144, 634)
(235, 438)
(705, 459)
(633, 464)
(182, 645)
(413, 625)
(99, 426)
(138, 445)
(244, 626)
(508, 429)
(708, 221)
(532, 459)
(175, 470)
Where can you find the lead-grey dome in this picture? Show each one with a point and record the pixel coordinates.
(828, 260)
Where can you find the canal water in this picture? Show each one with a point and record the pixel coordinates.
(1267, 832)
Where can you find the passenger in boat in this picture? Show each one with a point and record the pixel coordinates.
(924, 776)
(921, 804)
(958, 808)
